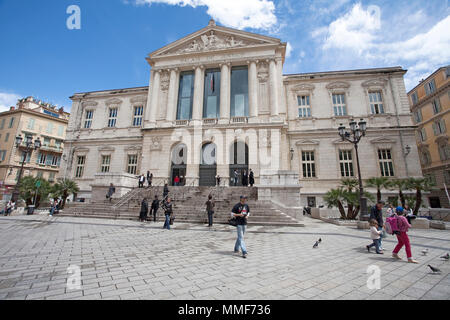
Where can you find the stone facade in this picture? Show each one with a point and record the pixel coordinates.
(263, 118)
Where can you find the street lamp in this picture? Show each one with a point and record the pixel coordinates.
(29, 146)
(357, 131)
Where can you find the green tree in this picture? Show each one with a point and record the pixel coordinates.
(378, 183)
(335, 198)
(401, 185)
(28, 190)
(419, 185)
(63, 189)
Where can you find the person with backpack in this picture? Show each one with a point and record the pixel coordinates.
(241, 212)
(376, 213)
(375, 235)
(399, 226)
(167, 207)
(210, 204)
(154, 208)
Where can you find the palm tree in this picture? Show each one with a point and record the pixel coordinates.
(29, 191)
(400, 185)
(334, 198)
(378, 183)
(64, 188)
(419, 185)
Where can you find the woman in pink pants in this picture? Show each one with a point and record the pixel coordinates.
(402, 236)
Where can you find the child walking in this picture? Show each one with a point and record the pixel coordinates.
(402, 236)
(375, 235)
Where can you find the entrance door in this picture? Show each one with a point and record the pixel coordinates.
(178, 168)
(238, 162)
(208, 166)
(179, 171)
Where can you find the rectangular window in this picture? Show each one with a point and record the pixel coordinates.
(55, 161)
(418, 116)
(50, 128)
(340, 109)
(42, 158)
(304, 107)
(436, 104)
(430, 87)
(211, 101)
(376, 102)
(414, 98)
(31, 124)
(11, 122)
(80, 166)
(239, 92)
(137, 116)
(7, 137)
(308, 164)
(106, 160)
(2, 124)
(423, 134)
(346, 163)
(385, 161)
(2, 155)
(60, 130)
(112, 120)
(444, 151)
(88, 119)
(46, 142)
(439, 127)
(132, 163)
(185, 96)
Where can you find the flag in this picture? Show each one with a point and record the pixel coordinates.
(212, 82)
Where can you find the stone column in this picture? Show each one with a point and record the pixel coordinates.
(197, 108)
(273, 83)
(281, 97)
(172, 96)
(224, 93)
(154, 97)
(253, 91)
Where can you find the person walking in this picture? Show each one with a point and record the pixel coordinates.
(376, 213)
(167, 206)
(245, 178)
(141, 181)
(176, 181)
(149, 184)
(210, 204)
(375, 235)
(149, 179)
(402, 236)
(218, 180)
(235, 177)
(241, 212)
(154, 208)
(111, 191)
(251, 178)
(390, 211)
(165, 191)
(144, 210)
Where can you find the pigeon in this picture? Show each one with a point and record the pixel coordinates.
(320, 240)
(446, 257)
(316, 245)
(424, 252)
(434, 269)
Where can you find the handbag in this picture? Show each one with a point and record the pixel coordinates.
(233, 222)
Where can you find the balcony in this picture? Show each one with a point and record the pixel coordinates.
(211, 121)
(52, 148)
(180, 123)
(239, 120)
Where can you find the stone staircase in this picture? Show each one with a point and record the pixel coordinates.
(188, 205)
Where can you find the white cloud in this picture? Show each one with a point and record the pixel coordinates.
(240, 14)
(288, 50)
(7, 100)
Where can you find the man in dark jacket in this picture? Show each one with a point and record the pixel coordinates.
(154, 208)
(144, 210)
(376, 213)
(165, 191)
(241, 211)
(251, 178)
(167, 206)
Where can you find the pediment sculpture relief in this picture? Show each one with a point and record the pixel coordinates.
(165, 81)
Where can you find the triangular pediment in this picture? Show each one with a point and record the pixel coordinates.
(214, 38)
(383, 140)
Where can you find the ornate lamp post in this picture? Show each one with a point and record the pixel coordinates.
(357, 131)
(29, 146)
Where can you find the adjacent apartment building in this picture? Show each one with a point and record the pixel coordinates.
(31, 117)
(430, 106)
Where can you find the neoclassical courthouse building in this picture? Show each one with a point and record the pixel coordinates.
(218, 101)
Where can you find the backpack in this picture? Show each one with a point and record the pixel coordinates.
(391, 225)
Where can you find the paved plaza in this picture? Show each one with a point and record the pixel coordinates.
(132, 260)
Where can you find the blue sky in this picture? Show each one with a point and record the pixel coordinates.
(41, 57)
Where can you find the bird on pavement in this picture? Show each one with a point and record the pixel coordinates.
(320, 240)
(446, 257)
(316, 245)
(424, 252)
(434, 269)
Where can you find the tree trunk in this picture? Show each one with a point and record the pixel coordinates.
(378, 195)
(341, 210)
(349, 211)
(64, 198)
(355, 213)
(418, 201)
(402, 198)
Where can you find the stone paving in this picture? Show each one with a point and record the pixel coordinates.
(132, 260)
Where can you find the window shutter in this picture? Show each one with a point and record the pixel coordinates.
(59, 161)
(443, 127)
(38, 158)
(435, 129)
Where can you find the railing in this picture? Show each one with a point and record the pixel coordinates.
(181, 122)
(239, 120)
(210, 121)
